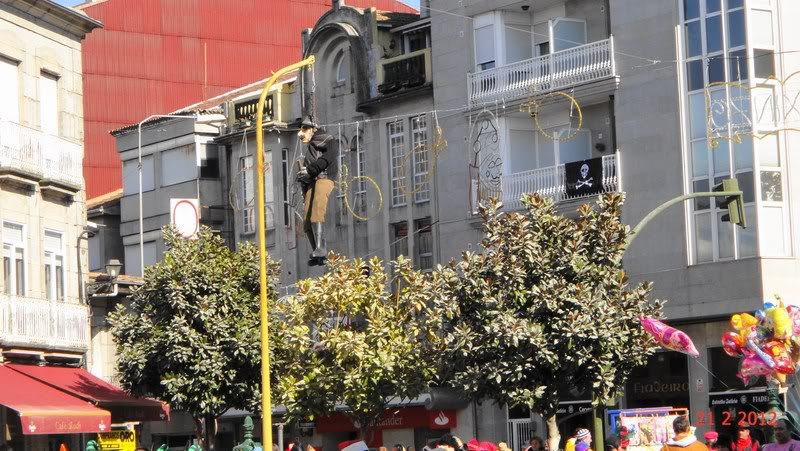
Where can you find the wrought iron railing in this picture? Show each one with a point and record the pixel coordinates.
(551, 182)
(552, 72)
(39, 155)
(37, 323)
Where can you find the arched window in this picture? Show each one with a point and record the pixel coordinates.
(340, 65)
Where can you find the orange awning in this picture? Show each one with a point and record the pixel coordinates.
(47, 410)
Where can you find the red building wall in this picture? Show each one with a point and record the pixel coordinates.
(155, 56)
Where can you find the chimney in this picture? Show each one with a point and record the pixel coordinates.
(424, 8)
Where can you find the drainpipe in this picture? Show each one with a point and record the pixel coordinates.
(613, 122)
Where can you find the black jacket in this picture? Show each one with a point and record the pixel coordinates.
(322, 156)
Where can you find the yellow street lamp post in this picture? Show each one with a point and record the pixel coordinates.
(266, 403)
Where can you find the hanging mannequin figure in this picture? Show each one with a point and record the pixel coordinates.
(319, 169)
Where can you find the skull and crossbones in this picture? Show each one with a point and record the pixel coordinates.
(584, 181)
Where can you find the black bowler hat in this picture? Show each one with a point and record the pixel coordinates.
(307, 122)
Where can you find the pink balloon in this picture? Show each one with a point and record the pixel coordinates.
(752, 366)
(668, 336)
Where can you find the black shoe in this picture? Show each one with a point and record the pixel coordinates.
(316, 261)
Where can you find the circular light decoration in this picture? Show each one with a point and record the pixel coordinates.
(185, 217)
(534, 107)
(485, 158)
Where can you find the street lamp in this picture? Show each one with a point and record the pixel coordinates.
(112, 268)
(199, 119)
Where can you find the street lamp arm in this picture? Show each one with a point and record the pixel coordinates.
(636, 230)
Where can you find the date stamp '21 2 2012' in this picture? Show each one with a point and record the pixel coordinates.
(739, 418)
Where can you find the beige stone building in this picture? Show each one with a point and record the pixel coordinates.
(43, 312)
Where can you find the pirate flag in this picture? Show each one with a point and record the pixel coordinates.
(584, 177)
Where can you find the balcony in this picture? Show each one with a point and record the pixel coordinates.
(552, 182)
(40, 324)
(27, 154)
(405, 71)
(556, 71)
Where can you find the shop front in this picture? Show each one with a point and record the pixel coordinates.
(409, 426)
(662, 382)
(60, 408)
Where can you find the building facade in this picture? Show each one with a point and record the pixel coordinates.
(167, 54)
(43, 312)
(679, 95)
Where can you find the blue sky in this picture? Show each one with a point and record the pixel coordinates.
(414, 3)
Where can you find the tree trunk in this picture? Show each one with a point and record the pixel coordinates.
(210, 439)
(198, 429)
(553, 437)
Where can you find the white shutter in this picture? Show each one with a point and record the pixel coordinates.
(48, 103)
(9, 90)
(52, 241)
(12, 233)
(484, 44)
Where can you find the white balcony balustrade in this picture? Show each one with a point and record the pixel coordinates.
(552, 182)
(40, 156)
(42, 324)
(559, 70)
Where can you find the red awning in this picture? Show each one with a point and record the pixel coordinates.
(81, 383)
(46, 410)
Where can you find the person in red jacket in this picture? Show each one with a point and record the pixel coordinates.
(744, 442)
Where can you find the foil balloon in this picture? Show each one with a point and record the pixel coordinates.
(753, 344)
(780, 354)
(668, 336)
(744, 323)
(732, 344)
(751, 368)
(794, 314)
(780, 321)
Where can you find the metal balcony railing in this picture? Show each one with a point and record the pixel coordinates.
(42, 324)
(404, 71)
(552, 182)
(552, 72)
(40, 156)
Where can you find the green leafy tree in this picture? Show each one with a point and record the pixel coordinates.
(190, 334)
(353, 336)
(544, 309)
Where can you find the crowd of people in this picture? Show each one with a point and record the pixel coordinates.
(581, 440)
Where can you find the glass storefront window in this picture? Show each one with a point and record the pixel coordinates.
(664, 381)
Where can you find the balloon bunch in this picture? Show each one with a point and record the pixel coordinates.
(768, 342)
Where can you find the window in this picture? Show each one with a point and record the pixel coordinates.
(96, 262)
(178, 165)
(519, 45)
(399, 239)
(48, 103)
(361, 166)
(269, 194)
(285, 187)
(397, 155)
(714, 38)
(340, 63)
(484, 47)
(416, 40)
(54, 265)
(209, 161)
(421, 158)
(133, 260)
(130, 175)
(247, 188)
(14, 258)
(9, 90)
(424, 244)
(568, 33)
